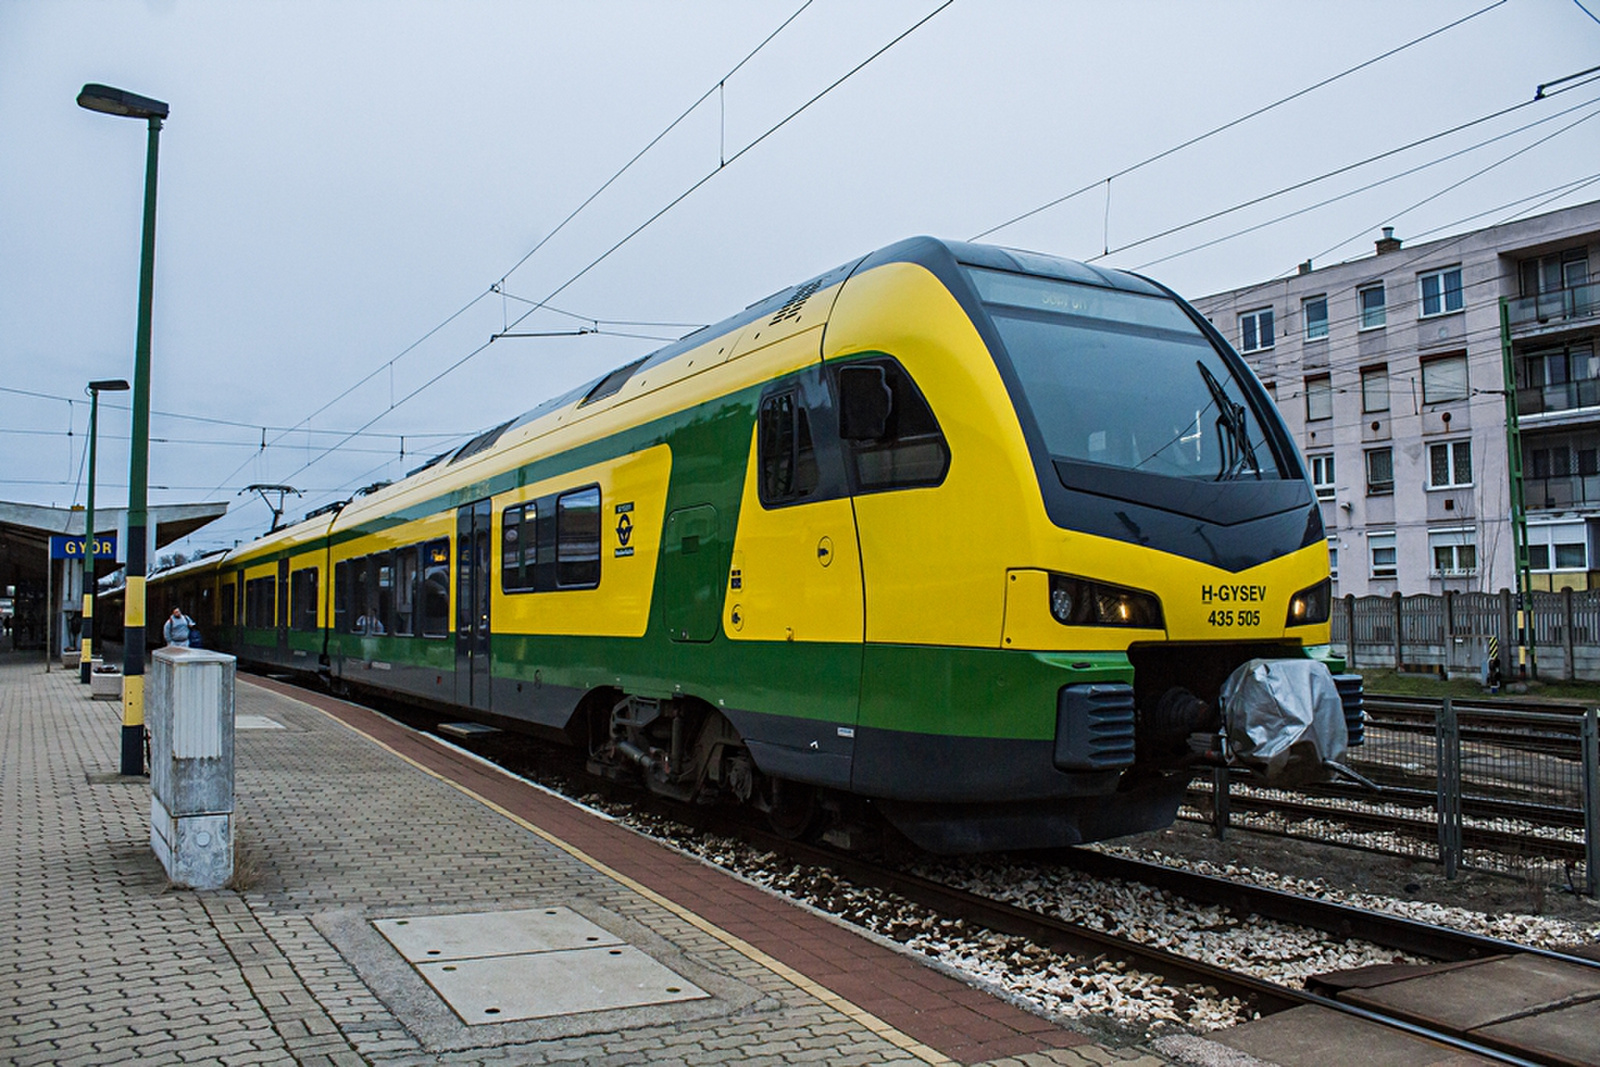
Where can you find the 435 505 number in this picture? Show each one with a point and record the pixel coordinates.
(1234, 618)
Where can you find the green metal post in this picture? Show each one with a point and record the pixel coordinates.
(1519, 511)
(139, 483)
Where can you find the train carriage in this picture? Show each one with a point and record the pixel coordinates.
(973, 534)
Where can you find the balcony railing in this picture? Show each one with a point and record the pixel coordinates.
(1562, 492)
(1557, 305)
(1565, 396)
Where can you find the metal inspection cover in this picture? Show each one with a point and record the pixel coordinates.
(433, 938)
(543, 984)
(255, 722)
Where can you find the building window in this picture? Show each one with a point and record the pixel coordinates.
(1315, 309)
(1255, 330)
(1454, 552)
(1380, 472)
(1558, 547)
(1373, 313)
(1558, 379)
(1549, 274)
(1450, 464)
(1381, 547)
(1440, 291)
(1322, 475)
(1319, 398)
(1374, 389)
(1444, 379)
(1333, 560)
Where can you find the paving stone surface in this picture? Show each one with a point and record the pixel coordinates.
(105, 962)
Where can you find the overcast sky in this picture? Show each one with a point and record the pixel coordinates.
(337, 179)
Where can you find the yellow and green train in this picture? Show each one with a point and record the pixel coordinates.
(970, 535)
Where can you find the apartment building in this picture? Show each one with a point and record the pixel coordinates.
(1390, 373)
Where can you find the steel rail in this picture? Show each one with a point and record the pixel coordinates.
(1058, 934)
(1500, 842)
(1341, 920)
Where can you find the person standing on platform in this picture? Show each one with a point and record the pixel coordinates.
(176, 630)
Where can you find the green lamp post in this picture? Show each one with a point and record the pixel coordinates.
(111, 101)
(90, 542)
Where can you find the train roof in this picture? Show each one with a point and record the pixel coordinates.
(456, 468)
(936, 254)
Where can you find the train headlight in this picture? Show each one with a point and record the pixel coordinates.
(1078, 602)
(1311, 605)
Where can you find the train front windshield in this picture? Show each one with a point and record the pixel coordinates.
(1125, 380)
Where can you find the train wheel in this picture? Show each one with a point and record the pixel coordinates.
(792, 809)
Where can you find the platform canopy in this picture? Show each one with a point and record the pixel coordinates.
(26, 529)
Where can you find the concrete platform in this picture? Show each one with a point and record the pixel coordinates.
(344, 820)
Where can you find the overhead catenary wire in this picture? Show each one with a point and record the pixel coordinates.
(1366, 188)
(499, 286)
(1235, 122)
(1347, 168)
(1403, 262)
(721, 166)
(107, 405)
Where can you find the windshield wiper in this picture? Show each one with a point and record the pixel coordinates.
(1233, 432)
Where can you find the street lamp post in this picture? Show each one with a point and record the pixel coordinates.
(111, 101)
(90, 542)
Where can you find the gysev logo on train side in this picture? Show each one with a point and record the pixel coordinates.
(624, 529)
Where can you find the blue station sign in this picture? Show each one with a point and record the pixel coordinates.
(63, 546)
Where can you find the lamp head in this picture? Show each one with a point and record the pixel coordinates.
(109, 385)
(120, 102)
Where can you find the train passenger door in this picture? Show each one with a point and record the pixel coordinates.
(283, 610)
(472, 604)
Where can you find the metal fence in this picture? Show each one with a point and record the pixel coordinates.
(1467, 784)
(1453, 632)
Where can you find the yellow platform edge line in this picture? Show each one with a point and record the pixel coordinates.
(900, 1040)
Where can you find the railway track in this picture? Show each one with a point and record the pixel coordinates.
(1502, 842)
(1061, 936)
(1086, 942)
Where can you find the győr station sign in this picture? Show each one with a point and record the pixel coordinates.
(63, 546)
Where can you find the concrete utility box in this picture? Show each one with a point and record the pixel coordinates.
(189, 709)
(105, 684)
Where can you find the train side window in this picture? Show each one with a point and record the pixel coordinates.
(519, 547)
(436, 588)
(787, 455)
(259, 597)
(405, 590)
(578, 538)
(341, 596)
(383, 617)
(360, 594)
(897, 448)
(369, 598)
(303, 599)
(228, 595)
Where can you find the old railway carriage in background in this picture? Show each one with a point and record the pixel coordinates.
(974, 534)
